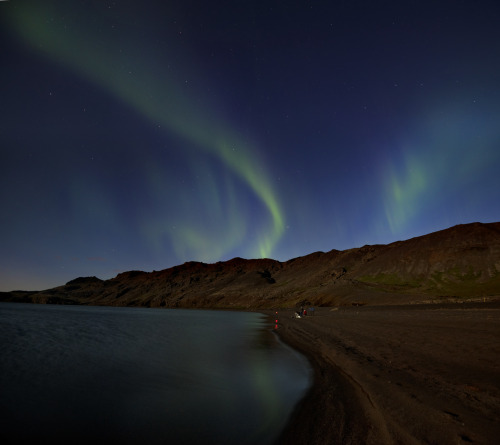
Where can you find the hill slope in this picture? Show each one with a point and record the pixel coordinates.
(460, 262)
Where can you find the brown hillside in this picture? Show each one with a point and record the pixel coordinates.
(461, 262)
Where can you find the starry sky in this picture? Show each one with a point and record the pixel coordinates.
(137, 135)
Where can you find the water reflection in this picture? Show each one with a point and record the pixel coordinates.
(81, 374)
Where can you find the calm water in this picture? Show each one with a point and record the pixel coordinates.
(73, 374)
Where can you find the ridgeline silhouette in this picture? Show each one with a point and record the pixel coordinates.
(456, 264)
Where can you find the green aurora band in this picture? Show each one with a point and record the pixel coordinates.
(450, 148)
(404, 192)
(157, 98)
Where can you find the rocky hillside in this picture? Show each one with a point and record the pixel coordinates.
(461, 262)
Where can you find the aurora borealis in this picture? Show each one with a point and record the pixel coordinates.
(142, 135)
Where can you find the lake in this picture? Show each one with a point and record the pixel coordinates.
(80, 374)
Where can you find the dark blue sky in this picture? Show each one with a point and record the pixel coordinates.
(140, 135)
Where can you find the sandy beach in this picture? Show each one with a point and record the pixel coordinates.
(398, 374)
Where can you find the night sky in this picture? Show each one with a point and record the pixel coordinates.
(137, 135)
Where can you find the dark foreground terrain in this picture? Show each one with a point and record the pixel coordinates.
(398, 374)
(389, 366)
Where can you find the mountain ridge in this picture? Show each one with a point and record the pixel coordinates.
(461, 262)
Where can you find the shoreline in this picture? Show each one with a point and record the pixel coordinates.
(397, 374)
